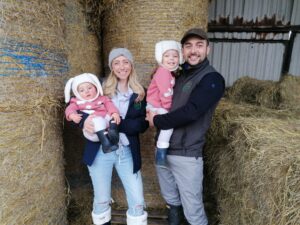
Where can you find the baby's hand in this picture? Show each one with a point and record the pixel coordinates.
(75, 117)
(116, 117)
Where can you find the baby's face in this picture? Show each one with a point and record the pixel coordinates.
(87, 91)
(170, 59)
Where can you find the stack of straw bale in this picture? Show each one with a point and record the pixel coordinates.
(138, 25)
(33, 66)
(253, 165)
(83, 51)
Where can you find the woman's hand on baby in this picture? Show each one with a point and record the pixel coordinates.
(88, 125)
(75, 117)
(116, 117)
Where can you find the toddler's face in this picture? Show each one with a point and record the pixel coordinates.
(87, 90)
(170, 59)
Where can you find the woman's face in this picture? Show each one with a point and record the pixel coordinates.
(121, 67)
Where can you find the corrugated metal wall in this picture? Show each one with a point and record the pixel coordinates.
(253, 38)
(259, 60)
(255, 11)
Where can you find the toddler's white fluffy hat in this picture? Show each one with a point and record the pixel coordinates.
(77, 80)
(163, 46)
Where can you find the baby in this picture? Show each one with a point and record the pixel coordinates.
(89, 100)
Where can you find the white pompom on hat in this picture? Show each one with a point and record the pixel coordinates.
(73, 83)
(163, 46)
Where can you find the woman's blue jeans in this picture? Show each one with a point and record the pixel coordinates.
(101, 175)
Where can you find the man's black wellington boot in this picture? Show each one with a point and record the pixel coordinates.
(175, 215)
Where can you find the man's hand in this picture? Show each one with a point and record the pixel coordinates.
(149, 117)
(75, 117)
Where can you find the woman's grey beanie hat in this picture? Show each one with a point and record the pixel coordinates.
(116, 52)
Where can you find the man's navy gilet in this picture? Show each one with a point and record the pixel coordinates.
(189, 140)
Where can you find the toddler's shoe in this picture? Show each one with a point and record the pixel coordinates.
(113, 132)
(107, 146)
(161, 157)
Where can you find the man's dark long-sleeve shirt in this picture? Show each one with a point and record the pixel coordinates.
(206, 94)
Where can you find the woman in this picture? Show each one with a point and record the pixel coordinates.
(129, 97)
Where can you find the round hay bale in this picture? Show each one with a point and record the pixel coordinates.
(36, 22)
(255, 166)
(33, 66)
(83, 48)
(32, 173)
(138, 25)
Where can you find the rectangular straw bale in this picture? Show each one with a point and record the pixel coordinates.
(290, 92)
(250, 90)
(255, 166)
(284, 94)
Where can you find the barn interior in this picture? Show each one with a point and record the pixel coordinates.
(252, 155)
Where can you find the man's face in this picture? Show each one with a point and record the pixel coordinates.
(195, 50)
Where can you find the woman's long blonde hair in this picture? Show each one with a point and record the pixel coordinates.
(110, 85)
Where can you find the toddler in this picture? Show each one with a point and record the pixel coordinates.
(160, 91)
(89, 99)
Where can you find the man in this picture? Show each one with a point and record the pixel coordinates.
(196, 93)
